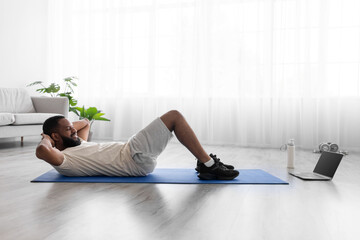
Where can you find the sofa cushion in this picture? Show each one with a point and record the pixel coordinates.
(31, 118)
(6, 119)
(15, 100)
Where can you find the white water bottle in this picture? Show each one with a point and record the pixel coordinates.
(290, 153)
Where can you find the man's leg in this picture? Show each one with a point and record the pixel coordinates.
(174, 121)
(210, 166)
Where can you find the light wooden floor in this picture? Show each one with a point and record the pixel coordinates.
(301, 210)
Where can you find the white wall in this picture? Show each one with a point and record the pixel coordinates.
(23, 33)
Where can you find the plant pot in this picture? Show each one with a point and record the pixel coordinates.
(90, 136)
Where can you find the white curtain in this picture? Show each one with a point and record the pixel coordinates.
(243, 72)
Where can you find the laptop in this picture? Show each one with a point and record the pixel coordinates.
(325, 168)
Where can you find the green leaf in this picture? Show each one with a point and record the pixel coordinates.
(99, 114)
(68, 79)
(34, 83)
(91, 111)
(102, 119)
(53, 88)
(81, 112)
(73, 110)
(41, 90)
(73, 102)
(98, 117)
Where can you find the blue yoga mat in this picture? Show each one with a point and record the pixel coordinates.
(168, 175)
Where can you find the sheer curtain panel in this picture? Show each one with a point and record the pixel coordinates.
(243, 72)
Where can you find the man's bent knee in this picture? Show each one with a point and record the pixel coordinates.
(175, 113)
(170, 118)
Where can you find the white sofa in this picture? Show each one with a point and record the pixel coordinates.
(22, 115)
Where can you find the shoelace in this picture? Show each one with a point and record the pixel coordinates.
(217, 161)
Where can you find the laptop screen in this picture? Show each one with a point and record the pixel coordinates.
(328, 163)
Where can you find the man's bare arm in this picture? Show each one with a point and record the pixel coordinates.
(82, 127)
(47, 152)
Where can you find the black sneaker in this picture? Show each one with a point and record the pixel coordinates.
(215, 160)
(217, 171)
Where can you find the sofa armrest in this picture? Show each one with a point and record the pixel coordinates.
(51, 105)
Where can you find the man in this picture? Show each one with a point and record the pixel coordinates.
(64, 146)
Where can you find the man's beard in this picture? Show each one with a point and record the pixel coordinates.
(69, 142)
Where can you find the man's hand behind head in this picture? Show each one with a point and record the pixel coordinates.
(47, 137)
(47, 152)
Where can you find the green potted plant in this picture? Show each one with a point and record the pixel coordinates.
(92, 114)
(54, 88)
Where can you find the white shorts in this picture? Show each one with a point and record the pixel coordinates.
(146, 145)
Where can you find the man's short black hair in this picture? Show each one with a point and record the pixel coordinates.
(51, 124)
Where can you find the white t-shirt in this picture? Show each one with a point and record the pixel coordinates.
(92, 159)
